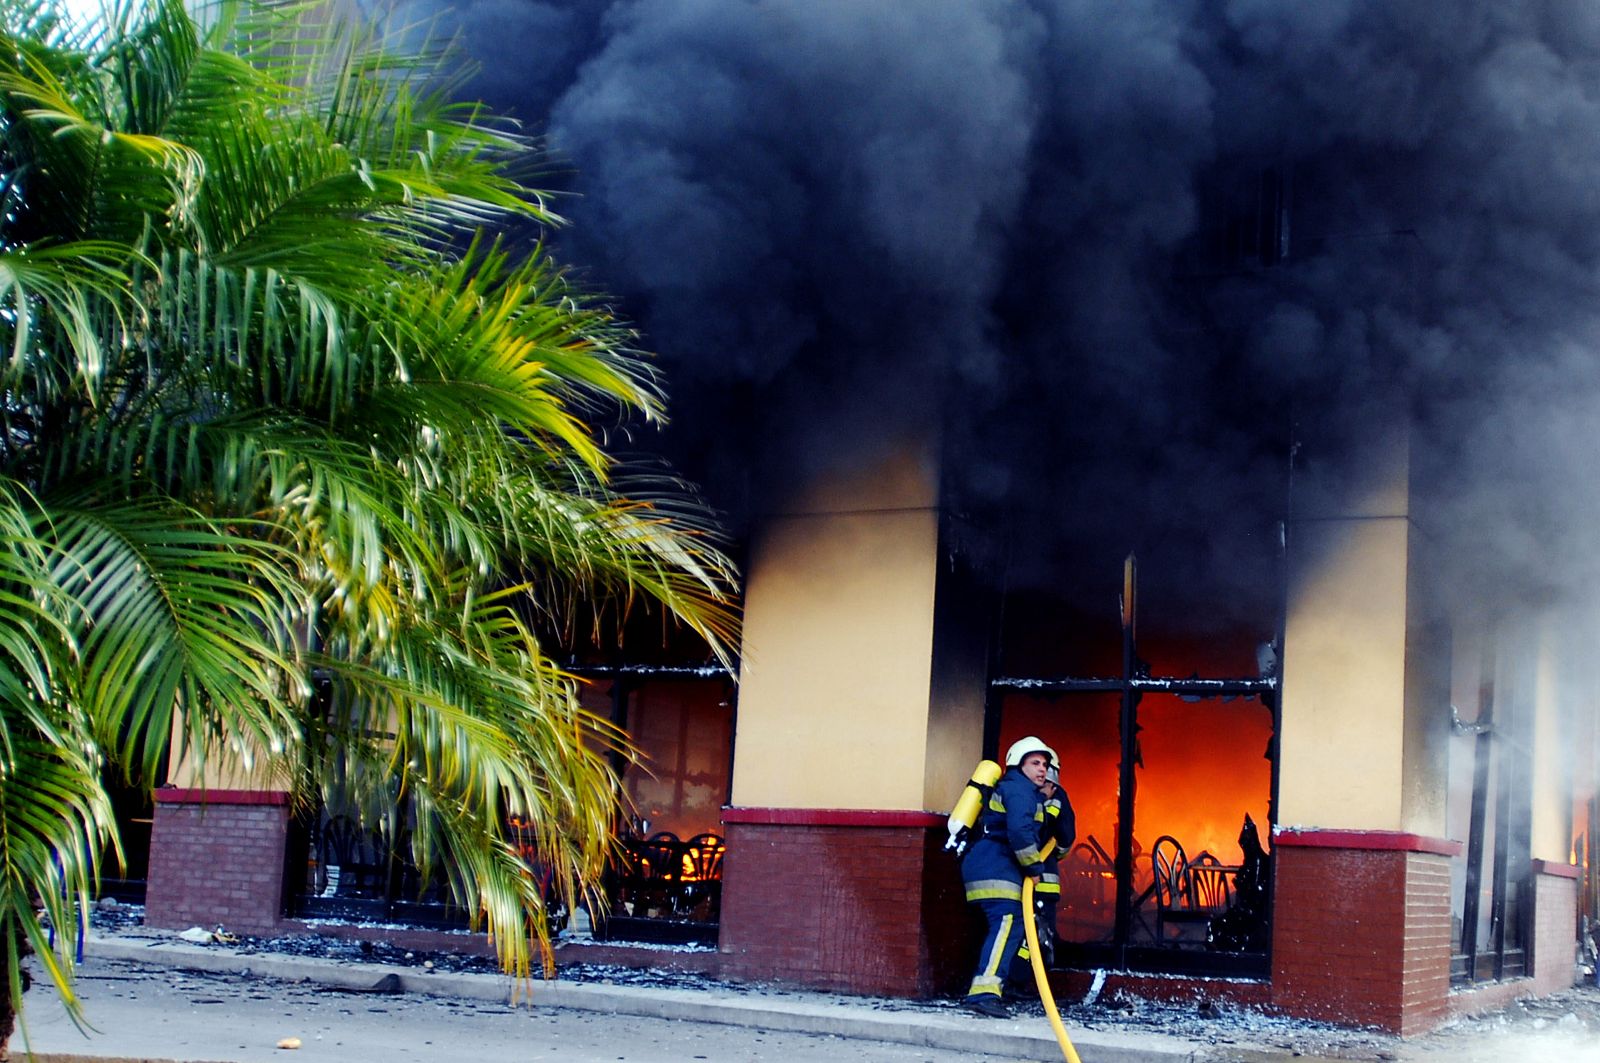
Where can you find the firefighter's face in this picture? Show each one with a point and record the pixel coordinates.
(1034, 765)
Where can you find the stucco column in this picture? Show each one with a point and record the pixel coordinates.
(1361, 919)
(1561, 725)
(850, 740)
(1365, 686)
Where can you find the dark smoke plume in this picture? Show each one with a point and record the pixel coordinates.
(1119, 251)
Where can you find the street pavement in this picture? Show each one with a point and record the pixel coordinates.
(155, 1001)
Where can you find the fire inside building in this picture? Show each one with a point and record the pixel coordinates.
(1203, 388)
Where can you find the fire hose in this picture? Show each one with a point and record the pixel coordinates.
(1036, 957)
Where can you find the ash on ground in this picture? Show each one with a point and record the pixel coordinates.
(1223, 1025)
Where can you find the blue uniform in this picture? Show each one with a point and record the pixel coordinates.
(1007, 847)
(1061, 824)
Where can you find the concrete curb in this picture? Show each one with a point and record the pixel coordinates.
(1023, 1038)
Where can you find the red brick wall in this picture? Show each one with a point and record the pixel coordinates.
(1425, 974)
(217, 860)
(840, 906)
(1362, 936)
(1555, 931)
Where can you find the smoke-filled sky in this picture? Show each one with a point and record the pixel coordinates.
(1037, 224)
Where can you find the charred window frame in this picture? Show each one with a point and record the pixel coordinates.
(1491, 915)
(1125, 948)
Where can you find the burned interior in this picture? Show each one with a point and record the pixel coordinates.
(1171, 772)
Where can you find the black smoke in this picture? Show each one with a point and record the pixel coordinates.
(1120, 252)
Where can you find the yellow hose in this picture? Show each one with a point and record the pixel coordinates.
(1037, 959)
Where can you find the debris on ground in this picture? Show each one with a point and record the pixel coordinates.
(1218, 1023)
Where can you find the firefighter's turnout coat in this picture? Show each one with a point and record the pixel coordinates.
(1007, 843)
(1061, 824)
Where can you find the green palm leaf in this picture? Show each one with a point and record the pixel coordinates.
(279, 402)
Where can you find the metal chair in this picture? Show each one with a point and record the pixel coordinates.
(1176, 904)
(1210, 883)
(348, 861)
(649, 883)
(702, 876)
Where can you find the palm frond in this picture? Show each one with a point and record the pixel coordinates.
(280, 404)
(181, 622)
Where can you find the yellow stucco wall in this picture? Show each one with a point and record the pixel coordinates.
(1344, 677)
(838, 639)
(1345, 664)
(1425, 752)
(224, 770)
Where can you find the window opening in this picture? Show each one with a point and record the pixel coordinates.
(1203, 751)
(1491, 762)
(666, 882)
(353, 861)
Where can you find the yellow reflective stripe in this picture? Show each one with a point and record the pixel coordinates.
(1029, 856)
(981, 986)
(1052, 888)
(995, 803)
(1023, 953)
(991, 965)
(994, 890)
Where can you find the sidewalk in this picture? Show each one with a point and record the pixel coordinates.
(946, 1029)
(154, 999)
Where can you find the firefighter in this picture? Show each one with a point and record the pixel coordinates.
(1060, 824)
(1006, 848)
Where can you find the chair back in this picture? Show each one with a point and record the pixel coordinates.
(702, 857)
(1208, 882)
(342, 844)
(1086, 854)
(658, 858)
(1171, 870)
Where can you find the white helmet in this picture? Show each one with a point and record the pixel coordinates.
(1023, 746)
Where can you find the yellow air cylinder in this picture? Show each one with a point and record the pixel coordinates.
(970, 805)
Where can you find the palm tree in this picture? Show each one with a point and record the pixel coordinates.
(283, 397)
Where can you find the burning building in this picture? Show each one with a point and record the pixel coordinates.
(964, 305)
(1374, 817)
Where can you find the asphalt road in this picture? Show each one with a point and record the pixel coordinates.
(143, 1013)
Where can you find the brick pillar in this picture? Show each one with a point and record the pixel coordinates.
(849, 901)
(1361, 928)
(1555, 922)
(217, 856)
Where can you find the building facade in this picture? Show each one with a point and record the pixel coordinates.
(1378, 811)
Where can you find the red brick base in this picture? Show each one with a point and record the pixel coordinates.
(217, 857)
(1361, 928)
(858, 902)
(1555, 926)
